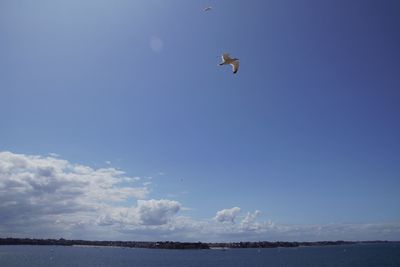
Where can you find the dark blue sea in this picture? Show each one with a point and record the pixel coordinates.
(349, 255)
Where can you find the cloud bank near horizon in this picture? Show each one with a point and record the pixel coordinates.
(49, 197)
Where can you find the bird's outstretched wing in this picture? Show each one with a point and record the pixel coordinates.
(235, 66)
(226, 57)
(207, 8)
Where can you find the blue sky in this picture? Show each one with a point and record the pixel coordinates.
(307, 131)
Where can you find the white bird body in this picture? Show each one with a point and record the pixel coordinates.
(227, 60)
(207, 8)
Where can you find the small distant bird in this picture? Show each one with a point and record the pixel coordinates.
(207, 8)
(234, 62)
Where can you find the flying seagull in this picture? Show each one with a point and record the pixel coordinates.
(234, 62)
(207, 8)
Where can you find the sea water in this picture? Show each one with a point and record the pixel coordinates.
(347, 255)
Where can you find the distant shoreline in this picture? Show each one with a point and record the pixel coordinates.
(177, 245)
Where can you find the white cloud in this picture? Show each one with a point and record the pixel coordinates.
(227, 215)
(157, 212)
(249, 222)
(49, 189)
(49, 197)
(145, 213)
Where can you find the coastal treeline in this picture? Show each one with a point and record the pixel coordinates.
(173, 245)
(128, 244)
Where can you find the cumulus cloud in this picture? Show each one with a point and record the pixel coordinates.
(227, 215)
(54, 191)
(250, 221)
(48, 197)
(157, 212)
(145, 213)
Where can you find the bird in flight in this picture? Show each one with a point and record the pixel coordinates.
(207, 8)
(234, 62)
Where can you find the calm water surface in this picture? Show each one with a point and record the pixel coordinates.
(353, 255)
